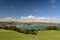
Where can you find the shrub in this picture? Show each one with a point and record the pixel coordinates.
(18, 30)
(1, 27)
(33, 32)
(5, 27)
(9, 28)
(28, 31)
(51, 28)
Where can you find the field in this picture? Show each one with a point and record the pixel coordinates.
(42, 35)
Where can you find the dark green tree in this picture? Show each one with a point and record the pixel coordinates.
(51, 28)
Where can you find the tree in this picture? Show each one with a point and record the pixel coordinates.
(51, 28)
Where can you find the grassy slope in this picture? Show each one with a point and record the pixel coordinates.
(42, 35)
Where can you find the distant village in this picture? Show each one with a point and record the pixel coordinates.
(12, 24)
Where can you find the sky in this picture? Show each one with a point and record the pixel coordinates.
(30, 10)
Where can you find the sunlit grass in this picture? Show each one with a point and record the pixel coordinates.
(42, 35)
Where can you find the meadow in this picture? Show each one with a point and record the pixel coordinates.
(41, 35)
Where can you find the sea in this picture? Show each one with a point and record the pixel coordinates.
(34, 27)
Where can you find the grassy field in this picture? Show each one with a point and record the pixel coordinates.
(42, 35)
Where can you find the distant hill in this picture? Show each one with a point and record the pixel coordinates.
(28, 23)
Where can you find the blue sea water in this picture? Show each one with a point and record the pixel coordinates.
(34, 27)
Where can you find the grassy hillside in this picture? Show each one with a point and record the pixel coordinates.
(42, 35)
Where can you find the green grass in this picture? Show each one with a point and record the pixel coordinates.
(42, 35)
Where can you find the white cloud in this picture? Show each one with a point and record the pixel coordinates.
(32, 19)
(39, 19)
(35, 10)
(27, 19)
(53, 6)
(10, 7)
(52, 1)
(8, 19)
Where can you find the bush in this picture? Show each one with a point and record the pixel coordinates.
(5, 27)
(18, 30)
(9, 28)
(31, 31)
(26, 31)
(51, 28)
(1, 27)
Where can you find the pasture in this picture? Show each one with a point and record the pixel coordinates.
(41, 35)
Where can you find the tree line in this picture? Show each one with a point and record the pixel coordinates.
(28, 31)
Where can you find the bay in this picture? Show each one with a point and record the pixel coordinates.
(34, 27)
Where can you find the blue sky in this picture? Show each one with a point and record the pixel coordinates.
(19, 8)
(36, 8)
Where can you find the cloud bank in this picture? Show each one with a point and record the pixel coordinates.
(32, 19)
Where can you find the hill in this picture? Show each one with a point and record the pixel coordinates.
(28, 23)
(42, 35)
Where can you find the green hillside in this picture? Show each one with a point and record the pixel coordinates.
(42, 35)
